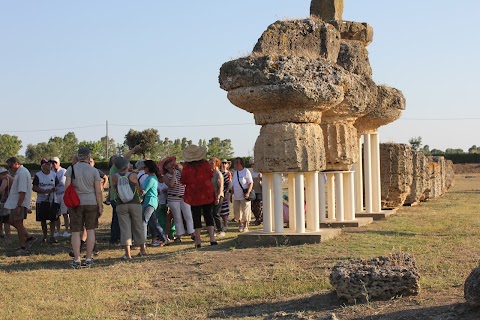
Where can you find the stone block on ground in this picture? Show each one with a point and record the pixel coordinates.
(472, 288)
(380, 278)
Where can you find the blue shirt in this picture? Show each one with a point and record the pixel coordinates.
(150, 197)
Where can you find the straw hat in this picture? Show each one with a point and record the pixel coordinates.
(162, 163)
(194, 153)
(3, 170)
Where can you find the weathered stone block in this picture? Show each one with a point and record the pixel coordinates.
(396, 169)
(419, 179)
(290, 147)
(437, 170)
(387, 108)
(449, 175)
(341, 144)
(353, 57)
(381, 278)
(327, 9)
(309, 37)
(471, 288)
(359, 31)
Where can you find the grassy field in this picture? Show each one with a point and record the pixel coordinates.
(229, 281)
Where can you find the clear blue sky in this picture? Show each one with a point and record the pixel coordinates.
(155, 64)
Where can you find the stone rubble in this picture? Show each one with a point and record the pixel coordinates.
(380, 278)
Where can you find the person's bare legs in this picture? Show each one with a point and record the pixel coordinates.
(76, 239)
(90, 243)
(66, 220)
(128, 252)
(198, 241)
(211, 233)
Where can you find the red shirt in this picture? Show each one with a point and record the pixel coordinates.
(198, 183)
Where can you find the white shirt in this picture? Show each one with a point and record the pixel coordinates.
(245, 178)
(22, 182)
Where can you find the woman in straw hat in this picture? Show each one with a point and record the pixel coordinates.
(199, 192)
(6, 181)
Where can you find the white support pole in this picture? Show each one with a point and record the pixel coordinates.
(321, 196)
(367, 153)
(267, 182)
(291, 202)
(349, 194)
(277, 203)
(300, 203)
(339, 205)
(376, 186)
(359, 178)
(313, 221)
(331, 196)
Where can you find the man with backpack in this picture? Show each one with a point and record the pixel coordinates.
(86, 181)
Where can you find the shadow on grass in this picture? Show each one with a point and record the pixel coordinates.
(31, 262)
(445, 312)
(383, 233)
(317, 303)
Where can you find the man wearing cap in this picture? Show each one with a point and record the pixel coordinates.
(18, 201)
(87, 184)
(44, 184)
(60, 173)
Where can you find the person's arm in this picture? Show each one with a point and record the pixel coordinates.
(134, 178)
(3, 185)
(105, 180)
(170, 182)
(114, 183)
(21, 198)
(248, 178)
(98, 195)
(134, 150)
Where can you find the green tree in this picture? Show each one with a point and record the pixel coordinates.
(70, 147)
(437, 152)
(9, 146)
(149, 140)
(415, 143)
(95, 147)
(426, 150)
(220, 148)
(454, 151)
(111, 147)
(474, 149)
(35, 153)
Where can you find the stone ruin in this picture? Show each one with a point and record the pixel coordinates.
(409, 177)
(309, 85)
(381, 278)
(471, 288)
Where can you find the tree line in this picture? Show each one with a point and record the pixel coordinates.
(152, 147)
(416, 144)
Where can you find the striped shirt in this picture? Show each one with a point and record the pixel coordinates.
(176, 192)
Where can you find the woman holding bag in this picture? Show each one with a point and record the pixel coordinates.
(242, 187)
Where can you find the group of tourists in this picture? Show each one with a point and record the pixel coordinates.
(165, 200)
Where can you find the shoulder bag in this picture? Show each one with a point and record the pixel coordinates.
(70, 197)
(251, 196)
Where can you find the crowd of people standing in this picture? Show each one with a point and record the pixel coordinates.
(166, 200)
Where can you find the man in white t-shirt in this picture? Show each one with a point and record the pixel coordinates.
(18, 201)
(242, 186)
(60, 172)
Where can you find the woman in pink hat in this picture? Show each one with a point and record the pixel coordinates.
(175, 201)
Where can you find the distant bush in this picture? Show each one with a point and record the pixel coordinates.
(463, 157)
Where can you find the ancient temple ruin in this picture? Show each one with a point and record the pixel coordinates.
(309, 85)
